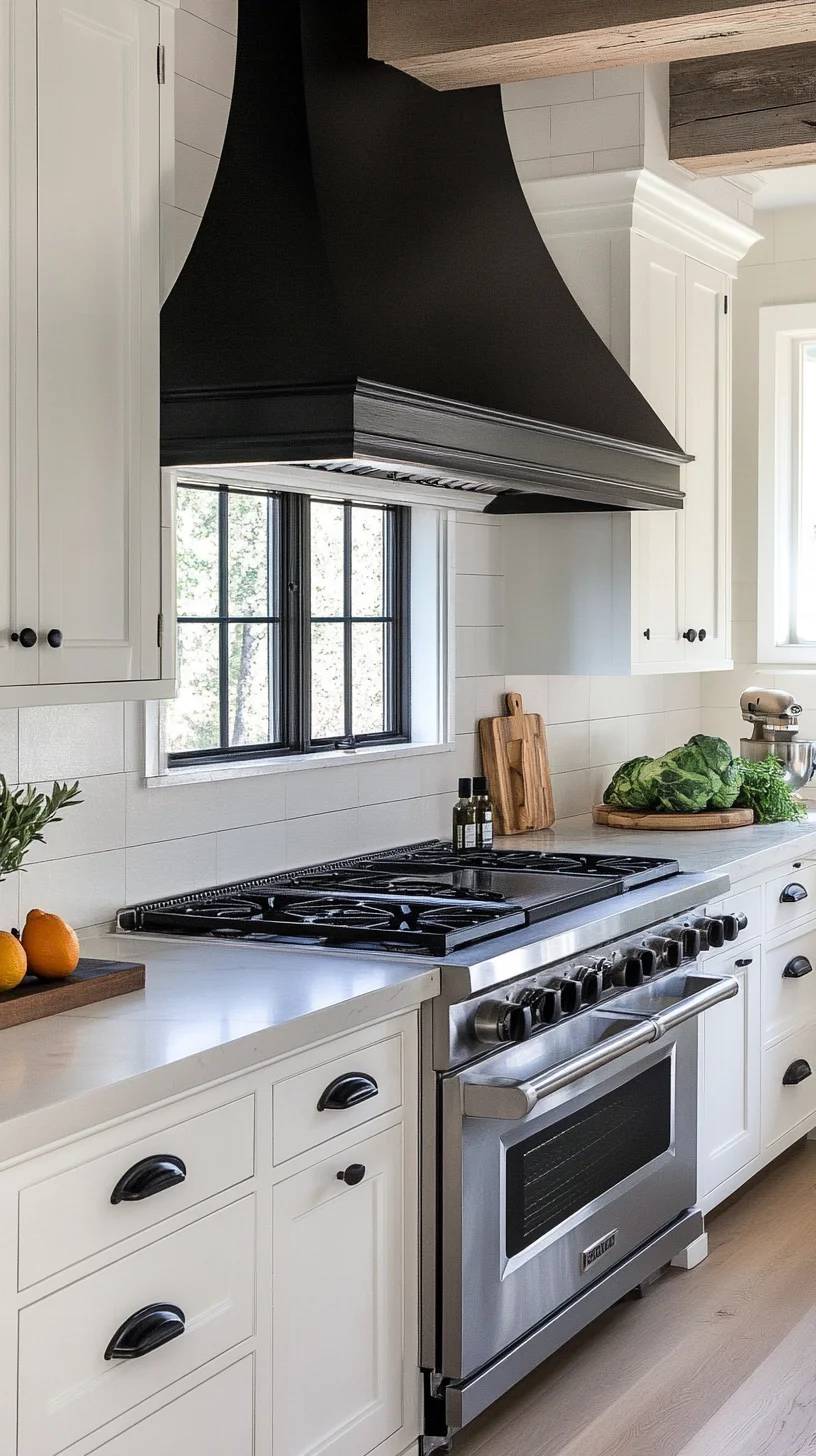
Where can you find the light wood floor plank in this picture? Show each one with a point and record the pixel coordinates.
(700, 1356)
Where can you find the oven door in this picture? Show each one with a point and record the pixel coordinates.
(559, 1158)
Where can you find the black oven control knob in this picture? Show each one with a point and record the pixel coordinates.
(591, 982)
(544, 1003)
(712, 933)
(733, 925)
(669, 952)
(499, 1021)
(605, 964)
(569, 991)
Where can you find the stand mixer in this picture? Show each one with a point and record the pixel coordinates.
(775, 717)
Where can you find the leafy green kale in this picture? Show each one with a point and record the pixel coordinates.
(628, 789)
(715, 751)
(728, 788)
(680, 781)
(765, 790)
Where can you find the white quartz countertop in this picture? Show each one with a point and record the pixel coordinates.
(742, 853)
(207, 1012)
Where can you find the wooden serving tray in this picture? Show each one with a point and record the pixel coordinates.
(91, 981)
(708, 819)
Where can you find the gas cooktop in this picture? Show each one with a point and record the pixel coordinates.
(422, 899)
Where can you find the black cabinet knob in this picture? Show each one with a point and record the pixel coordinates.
(148, 1177)
(798, 967)
(702, 634)
(347, 1091)
(648, 634)
(54, 638)
(146, 1330)
(690, 635)
(792, 894)
(26, 638)
(352, 1175)
(797, 1072)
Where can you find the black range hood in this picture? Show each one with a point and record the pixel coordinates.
(368, 292)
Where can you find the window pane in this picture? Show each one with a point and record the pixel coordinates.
(368, 677)
(367, 562)
(197, 546)
(806, 613)
(251, 583)
(252, 715)
(192, 717)
(328, 681)
(327, 559)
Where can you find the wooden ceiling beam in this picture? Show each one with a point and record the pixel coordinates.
(452, 44)
(744, 113)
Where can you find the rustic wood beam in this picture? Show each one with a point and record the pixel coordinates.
(451, 44)
(742, 113)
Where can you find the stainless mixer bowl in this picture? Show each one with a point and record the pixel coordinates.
(796, 755)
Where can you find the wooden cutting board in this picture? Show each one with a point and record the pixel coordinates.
(709, 819)
(91, 981)
(514, 757)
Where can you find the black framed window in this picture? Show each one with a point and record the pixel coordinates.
(293, 624)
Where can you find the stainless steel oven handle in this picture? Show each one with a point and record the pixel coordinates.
(719, 988)
(510, 1101)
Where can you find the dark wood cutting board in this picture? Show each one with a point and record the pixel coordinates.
(91, 981)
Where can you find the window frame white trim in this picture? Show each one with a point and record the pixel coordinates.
(783, 329)
(432, 633)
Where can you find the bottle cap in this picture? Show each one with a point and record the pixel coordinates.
(464, 788)
(480, 786)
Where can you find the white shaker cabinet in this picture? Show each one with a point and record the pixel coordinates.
(652, 267)
(729, 1073)
(80, 487)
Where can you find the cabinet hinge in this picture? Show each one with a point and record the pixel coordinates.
(159, 629)
(160, 65)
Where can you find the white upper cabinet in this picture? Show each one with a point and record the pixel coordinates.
(80, 487)
(652, 267)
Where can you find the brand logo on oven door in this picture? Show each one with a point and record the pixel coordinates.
(596, 1251)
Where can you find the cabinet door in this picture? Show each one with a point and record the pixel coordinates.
(338, 1303)
(18, 340)
(707, 486)
(730, 1054)
(98, 263)
(656, 366)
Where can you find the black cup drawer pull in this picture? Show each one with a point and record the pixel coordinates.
(792, 894)
(347, 1091)
(799, 966)
(797, 1072)
(146, 1330)
(149, 1176)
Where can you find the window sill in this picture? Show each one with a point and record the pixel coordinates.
(201, 774)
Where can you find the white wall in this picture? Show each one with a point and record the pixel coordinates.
(129, 842)
(781, 269)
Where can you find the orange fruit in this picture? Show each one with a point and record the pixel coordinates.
(13, 963)
(51, 945)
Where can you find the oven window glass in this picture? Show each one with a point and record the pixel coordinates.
(571, 1163)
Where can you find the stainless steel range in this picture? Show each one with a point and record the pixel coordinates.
(559, 1076)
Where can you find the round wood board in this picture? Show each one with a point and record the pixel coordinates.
(709, 819)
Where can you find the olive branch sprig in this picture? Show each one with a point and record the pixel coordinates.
(24, 814)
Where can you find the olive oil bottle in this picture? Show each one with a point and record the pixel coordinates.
(484, 813)
(464, 818)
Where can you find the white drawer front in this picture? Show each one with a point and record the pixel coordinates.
(217, 1151)
(215, 1419)
(788, 987)
(784, 1107)
(299, 1124)
(784, 902)
(66, 1387)
(749, 904)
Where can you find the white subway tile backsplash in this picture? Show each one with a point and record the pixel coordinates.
(569, 699)
(616, 159)
(590, 126)
(223, 13)
(682, 690)
(382, 825)
(71, 742)
(437, 771)
(548, 91)
(204, 52)
(572, 794)
(94, 825)
(479, 550)
(479, 601)
(479, 651)
(574, 164)
(320, 790)
(529, 133)
(396, 778)
(568, 746)
(244, 854)
(86, 889)
(9, 751)
(201, 116)
(646, 734)
(535, 693)
(171, 867)
(608, 740)
(465, 705)
(195, 174)
(322, 836)
(680, 726)
(618, 81)
(181, 811)
(436, 816)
